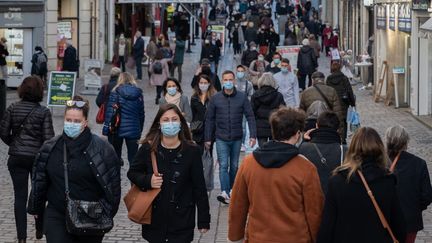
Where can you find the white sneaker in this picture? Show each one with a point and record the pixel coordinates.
(224, 198)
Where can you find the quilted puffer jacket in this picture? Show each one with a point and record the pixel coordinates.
(36, 129)
(225, 116)
(105, 168)
(131, 103)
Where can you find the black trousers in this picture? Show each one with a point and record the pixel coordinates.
(122, 63)
(20, 168)
(55, 229)
(159, 89)
(302, 81)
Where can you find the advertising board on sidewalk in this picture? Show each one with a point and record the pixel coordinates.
(92, 73)
(220, 33)
(61, 88)
(291, 53)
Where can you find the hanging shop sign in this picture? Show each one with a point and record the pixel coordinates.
(404, 18)
(61, 88)
(392, 16)
(381, 17)
(420, 4)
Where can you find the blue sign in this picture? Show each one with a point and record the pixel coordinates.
(404, 18)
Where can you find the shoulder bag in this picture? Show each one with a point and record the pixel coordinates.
(324, 97)
(139, 203)
(114, 123)
(377, 208)
(100, 116)
(84, 217)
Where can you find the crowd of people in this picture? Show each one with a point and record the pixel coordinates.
(302, 175)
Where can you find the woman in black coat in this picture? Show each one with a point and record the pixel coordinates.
(180, 178)
(349, 215)
(25, 126)
(264, 101)
(203, 91)
(341, 84)
(414, 186)
(93, 175)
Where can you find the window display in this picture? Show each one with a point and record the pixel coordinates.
(15, 45)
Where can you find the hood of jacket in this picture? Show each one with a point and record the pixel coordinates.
(275, 154)
(306, 49)
(266, 95)
(335, 78)
(325, 136)
(129, 92)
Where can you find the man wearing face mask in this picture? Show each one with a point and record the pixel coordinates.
(274, 66)
(249, 55)
(224, 124)
(288, 85)
(245, 86)
(205, 69)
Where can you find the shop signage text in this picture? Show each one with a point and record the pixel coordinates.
(420, 4)
(398, 70)
(404, 18)
(381, 17)
(61, 88)
(392, 19)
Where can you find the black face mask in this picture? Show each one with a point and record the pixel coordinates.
(206, 70)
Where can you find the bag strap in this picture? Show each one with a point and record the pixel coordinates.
(342, 155)
(324, 97)
(154, 163)
(323, 160)
(393, 165)
(65, 164)
(24, 121)
(377, 208)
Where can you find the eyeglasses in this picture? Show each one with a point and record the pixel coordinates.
(75, 103)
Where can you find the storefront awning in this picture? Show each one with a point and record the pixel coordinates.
(163, 1)
(425, 30)
(427, 25)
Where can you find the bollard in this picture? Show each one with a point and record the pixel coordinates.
(2, 97)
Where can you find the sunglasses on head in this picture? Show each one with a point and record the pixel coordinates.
(75, 103)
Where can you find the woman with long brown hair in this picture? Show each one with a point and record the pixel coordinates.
(180, 178)
(349, 214)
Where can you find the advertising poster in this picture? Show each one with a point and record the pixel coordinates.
(61, 88)
(392, 19)
(291, 53)
(92, 73)
(381, 17)
(404, 18)
(220, 33)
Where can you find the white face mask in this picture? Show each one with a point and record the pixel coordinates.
(203, 87)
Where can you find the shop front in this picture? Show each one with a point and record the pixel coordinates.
(22, 24)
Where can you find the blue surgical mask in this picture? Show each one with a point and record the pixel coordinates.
(284, 70)
(240, 75)
(170, 129)
(276, 61)
(228, 84)
(172, 90)
(72, 129)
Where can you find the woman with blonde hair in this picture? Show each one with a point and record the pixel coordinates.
(349, 214)
(126, 100)
(266, 99)
(414, 186)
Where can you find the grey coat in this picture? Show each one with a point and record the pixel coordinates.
(184, 106)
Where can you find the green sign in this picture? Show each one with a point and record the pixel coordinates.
(398, 70)
(61, 88)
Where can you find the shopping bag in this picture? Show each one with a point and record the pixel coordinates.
(208, 167)
(355, 121)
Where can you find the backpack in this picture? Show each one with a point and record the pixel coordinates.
(157, 67)
(41, 63)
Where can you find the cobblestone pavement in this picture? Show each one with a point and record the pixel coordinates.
(372, 114)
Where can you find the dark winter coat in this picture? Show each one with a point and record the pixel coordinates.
(198, 114)
(264, 101)
(42, 68)
(104, 164)
(179, 52)
(307, 62)
(248, 57)
(414, 189)
(329, 145)
(35, 131)
(343, 88)
(105, 92)
(131, 103)
(174, 209)
(138, 48)
(264, 38)
(70, 59)
(3, 51)
(224, 116)
(349, 215)
(251, 34)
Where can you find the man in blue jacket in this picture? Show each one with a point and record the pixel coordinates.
(138, 54)
(224, 117)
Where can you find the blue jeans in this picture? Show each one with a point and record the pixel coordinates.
(213, 67)
(138, 67)
(228, 153)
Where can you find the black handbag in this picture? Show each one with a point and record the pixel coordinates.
(196, 126)
(84, 217)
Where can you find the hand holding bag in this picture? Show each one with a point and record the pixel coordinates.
(84, 217)
(139, 203)
(100, 116)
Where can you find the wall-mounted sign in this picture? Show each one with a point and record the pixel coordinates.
(64, 29)
(367, 3)
(420, 4)
(381, 17)
(404, 18)
(392, 16)
(398, 70)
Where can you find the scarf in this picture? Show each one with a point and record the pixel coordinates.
(174, 99)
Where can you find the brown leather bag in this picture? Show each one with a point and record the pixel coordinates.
(139, 203)
(377, 208)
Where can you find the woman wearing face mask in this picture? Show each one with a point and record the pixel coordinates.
(93, 174)
(180, 178)
(203, 91)
(173, 94)
(256, 69)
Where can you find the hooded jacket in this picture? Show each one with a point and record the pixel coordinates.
(275, 183)
(131, 101)
(307, 61)
(263, 102)
(343, 88)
